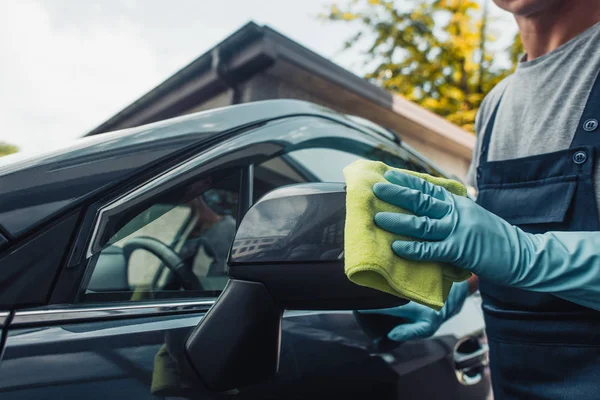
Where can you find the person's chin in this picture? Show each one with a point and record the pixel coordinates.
(527, 7)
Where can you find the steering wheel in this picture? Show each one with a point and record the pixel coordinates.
(189, 281)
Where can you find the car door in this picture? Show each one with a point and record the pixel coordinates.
(154, 262)
(117, 337)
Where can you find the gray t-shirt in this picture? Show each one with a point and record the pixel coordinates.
(542, 104)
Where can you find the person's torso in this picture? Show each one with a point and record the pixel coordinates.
(542, 103)
(536, 168)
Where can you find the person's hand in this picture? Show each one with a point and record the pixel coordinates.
(424, 321)
(452, 229)
(455, 230)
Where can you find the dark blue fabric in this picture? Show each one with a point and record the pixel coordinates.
(552, 197)
(541, 346)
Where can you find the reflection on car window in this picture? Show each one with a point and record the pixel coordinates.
(175, 247)
(325, 164)
(319, 165)
(142, 264)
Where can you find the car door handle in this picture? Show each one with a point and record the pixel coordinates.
(477, 358)
(470, 360)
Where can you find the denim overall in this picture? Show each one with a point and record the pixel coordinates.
(541, 346)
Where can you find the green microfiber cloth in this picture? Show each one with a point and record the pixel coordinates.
(369, 259)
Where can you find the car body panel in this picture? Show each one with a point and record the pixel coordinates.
(29, 269)
(135, 358)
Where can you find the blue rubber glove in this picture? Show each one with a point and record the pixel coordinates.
(456, 230)
(424, 321)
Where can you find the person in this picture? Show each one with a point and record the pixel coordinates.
(205, 249)
(532, 238)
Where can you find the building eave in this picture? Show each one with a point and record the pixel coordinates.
(254, 49)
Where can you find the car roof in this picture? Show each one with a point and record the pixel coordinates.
(33, 187)
(204, 125)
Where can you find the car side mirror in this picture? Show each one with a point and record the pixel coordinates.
(287, 254)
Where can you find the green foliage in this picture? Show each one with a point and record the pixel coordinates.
(6, 149)
(433, 52)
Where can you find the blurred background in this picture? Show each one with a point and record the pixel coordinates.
(67, 66)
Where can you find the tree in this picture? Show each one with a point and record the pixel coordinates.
(436, 53)
(6, 149)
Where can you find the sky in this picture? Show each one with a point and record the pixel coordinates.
(68, 65)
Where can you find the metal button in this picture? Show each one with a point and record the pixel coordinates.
(580, 157)
(590, 125)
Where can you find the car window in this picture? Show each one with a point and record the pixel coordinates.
(318, 165)
(174, 247)
(143, 265)
(325, 164)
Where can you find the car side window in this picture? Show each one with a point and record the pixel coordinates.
(317, 165)
(174, 247)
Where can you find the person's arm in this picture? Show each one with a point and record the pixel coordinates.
(456, 230)
(566, 264)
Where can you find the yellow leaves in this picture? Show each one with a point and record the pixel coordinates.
(469, 127)
(453, 92)
(458, 5)
(469, 114)
(428, 52)
(475, 98)
(6, 149)
(430, 103)
(337, 14)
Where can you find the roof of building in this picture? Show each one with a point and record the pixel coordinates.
(252, 50)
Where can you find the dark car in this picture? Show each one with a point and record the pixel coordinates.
(113, 251)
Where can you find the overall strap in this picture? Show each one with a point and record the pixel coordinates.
(588, 129)
(487, 135)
